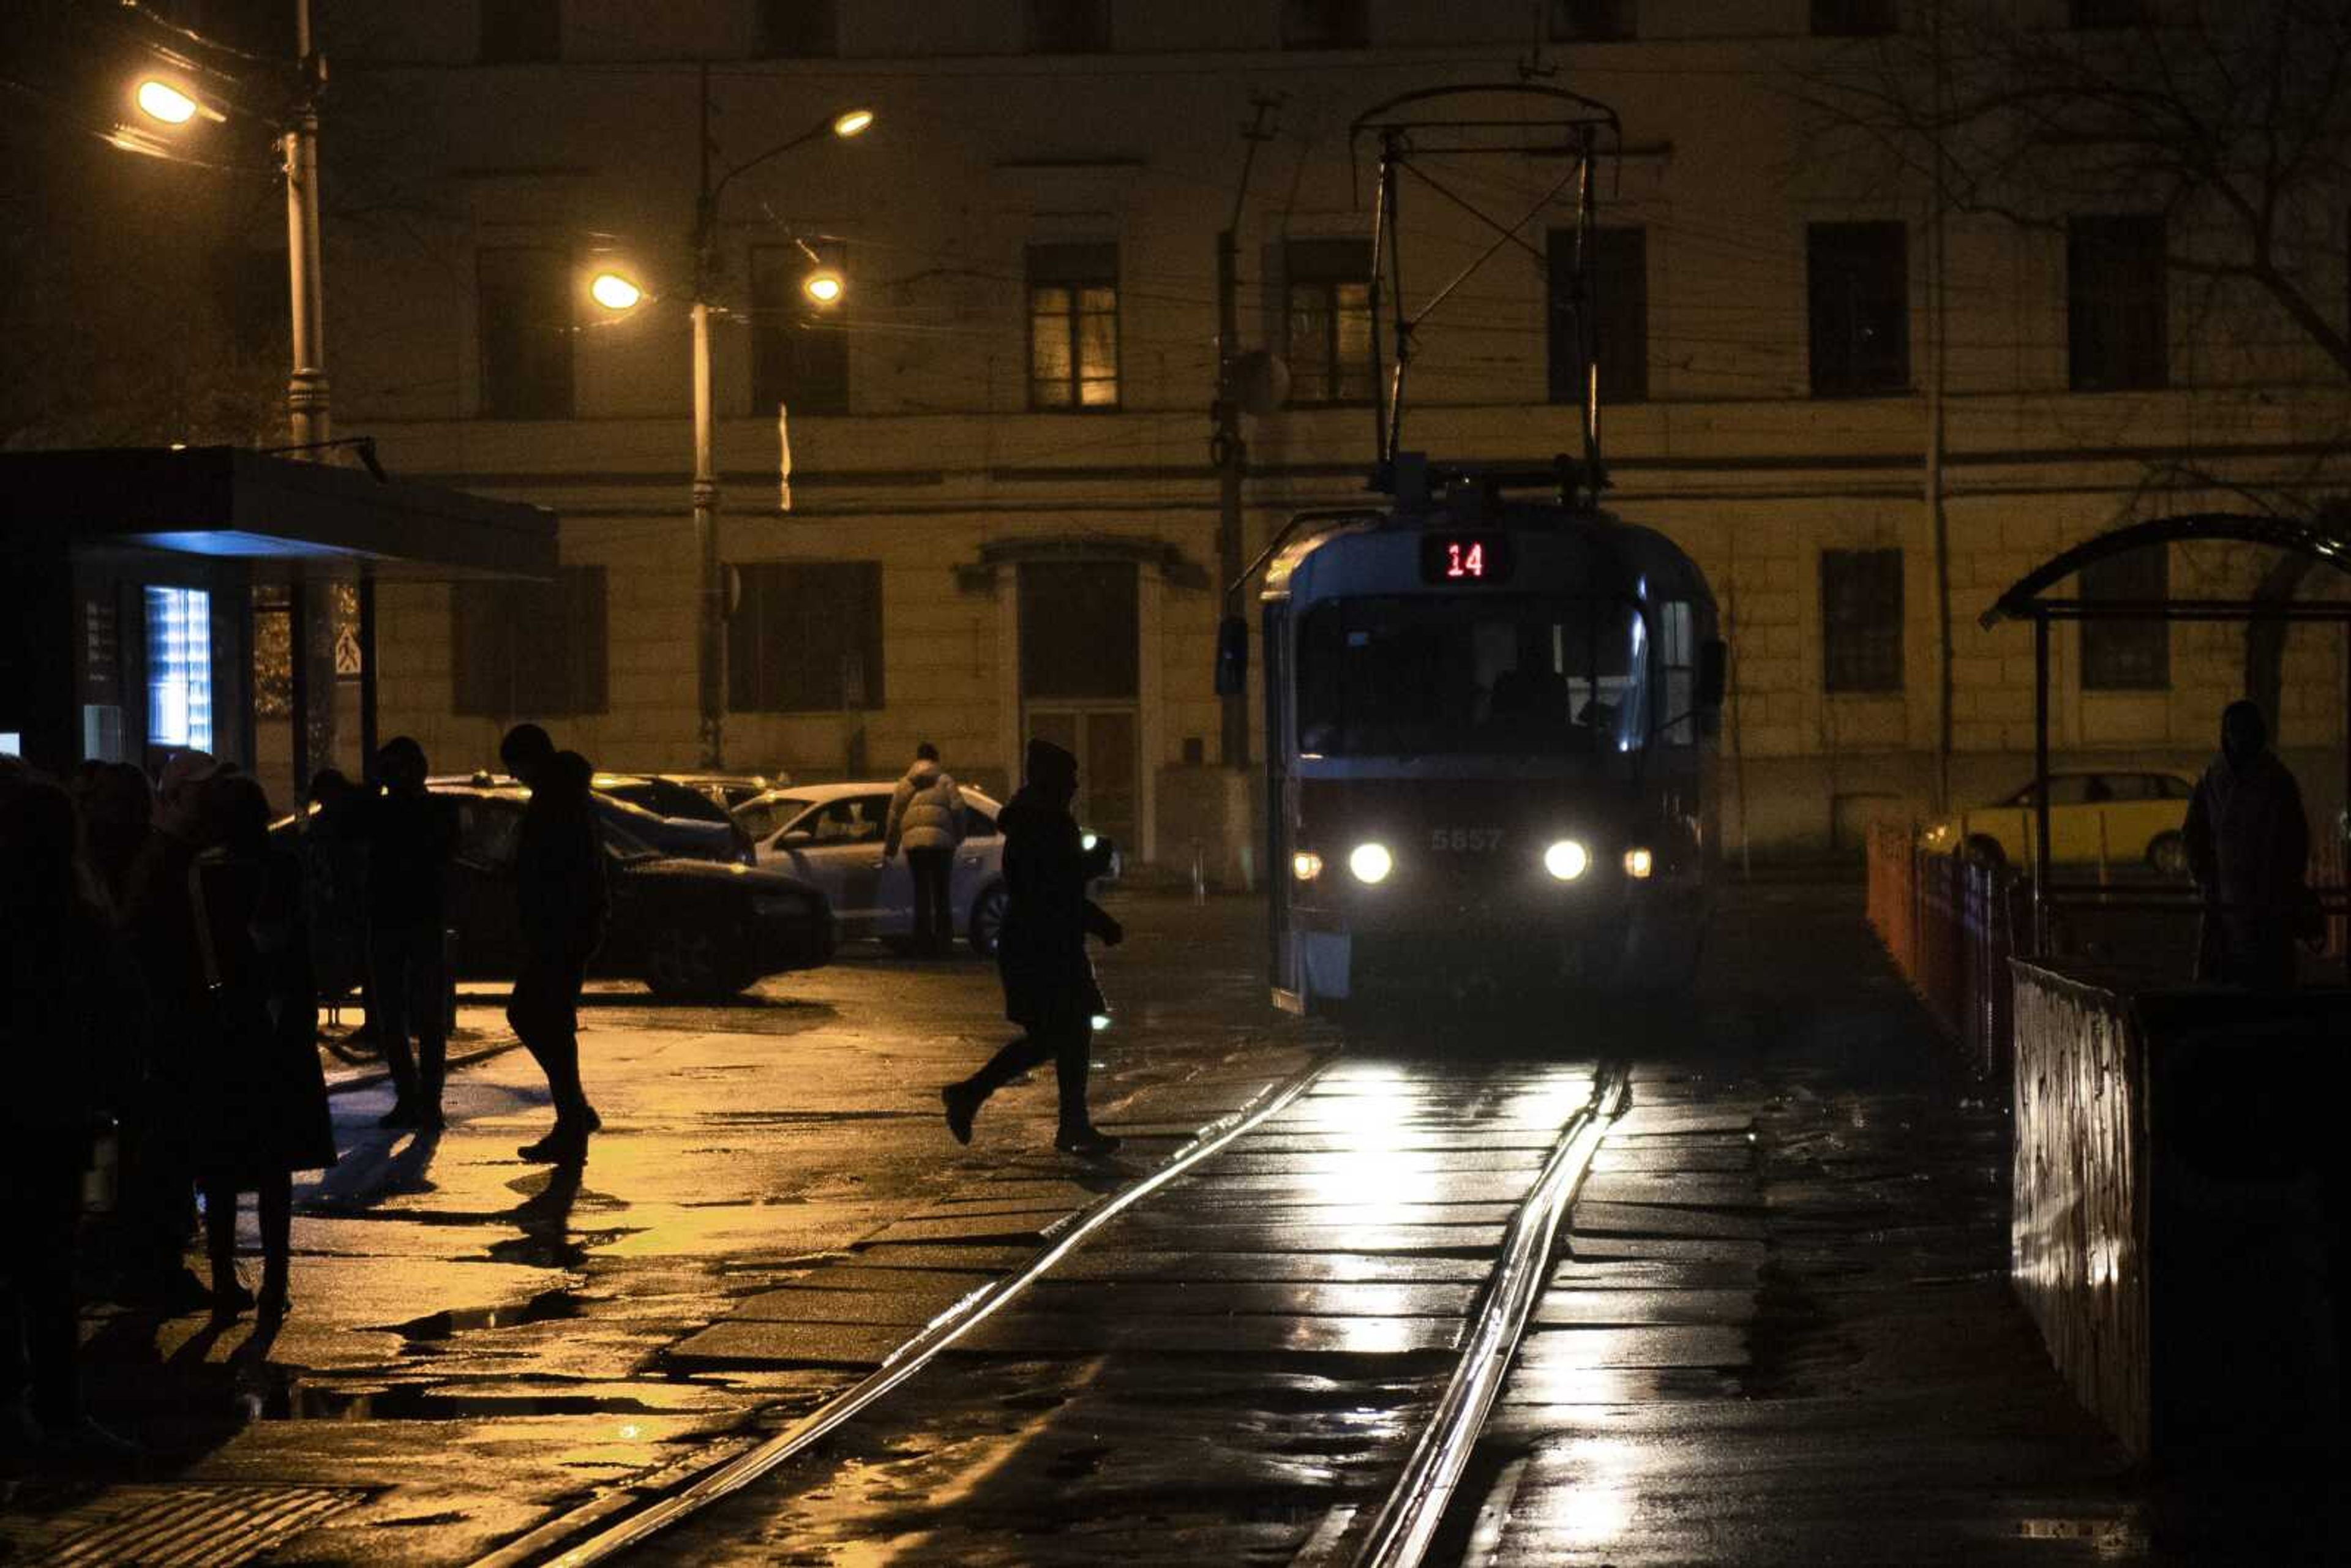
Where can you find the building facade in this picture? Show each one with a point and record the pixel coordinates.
(1862, 418)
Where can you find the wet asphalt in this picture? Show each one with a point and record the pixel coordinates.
(1777, 1330)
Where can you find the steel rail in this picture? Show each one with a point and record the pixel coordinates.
(1417, 1503)
(732, 1476)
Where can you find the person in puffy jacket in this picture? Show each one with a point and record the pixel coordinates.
(927, 821)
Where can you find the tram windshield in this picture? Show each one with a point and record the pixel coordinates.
(1423, 675)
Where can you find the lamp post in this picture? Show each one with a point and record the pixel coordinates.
(309, 408)
(617, 292)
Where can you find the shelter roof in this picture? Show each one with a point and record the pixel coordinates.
(2026, 598)
(233, 503)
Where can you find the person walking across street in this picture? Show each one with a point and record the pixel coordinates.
(262, 1101)
(2249, 850)
(1049, 984)
(563, 901)
(411, 835)
(926, 819)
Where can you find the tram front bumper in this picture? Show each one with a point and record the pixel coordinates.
(1623, 936)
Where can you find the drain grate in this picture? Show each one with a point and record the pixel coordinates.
(188, 1526)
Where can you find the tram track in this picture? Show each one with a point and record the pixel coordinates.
(1367, 1284)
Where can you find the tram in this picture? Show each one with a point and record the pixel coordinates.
(1488, 733)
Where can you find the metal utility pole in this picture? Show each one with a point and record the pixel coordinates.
(306, 390)
(308, 410)
(1227, 450)
(710, 639)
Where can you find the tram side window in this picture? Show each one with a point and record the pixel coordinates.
(1420, 677)
(1677, 652)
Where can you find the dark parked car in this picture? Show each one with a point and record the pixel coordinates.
(705, 835)
(686, 928)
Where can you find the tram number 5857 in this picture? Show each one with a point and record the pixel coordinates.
(1465, 840)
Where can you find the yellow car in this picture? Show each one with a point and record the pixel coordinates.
(2101, 818)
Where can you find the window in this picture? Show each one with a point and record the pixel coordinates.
(180, 667)
(1853, 18)
(1594, 21)
(1326, 24)
(805, 637)
(519, 32)
(1512, 676)
(526, 650)
(2105, 12)
(1328, 320)
(525, 324)
(799, 29)
(1073, 326)
(1068, 26)
(1861, 620)
(2117, 332)
(2127, 655)
(800, 349)
(851, 819)
(1620, 305)
(1859, 286)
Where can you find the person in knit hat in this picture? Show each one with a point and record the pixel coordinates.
(1049, 983)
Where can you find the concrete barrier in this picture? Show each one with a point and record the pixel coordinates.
(2179, 1188)
(2077, 1225)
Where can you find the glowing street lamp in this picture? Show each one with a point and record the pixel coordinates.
(853, 124)
(825, 286)
(161, 100)
(614, 291)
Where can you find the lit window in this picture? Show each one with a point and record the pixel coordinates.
(180, 667)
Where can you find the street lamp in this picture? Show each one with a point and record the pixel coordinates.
(307, 407)
(618, 292)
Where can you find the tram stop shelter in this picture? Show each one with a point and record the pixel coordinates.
(2179, 1196)
(2036, 597)
(130, 580)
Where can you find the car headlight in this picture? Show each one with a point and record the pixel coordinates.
(1566, 859)
(1087, 841)
(1639, 863)
(1371, 862)
(1306, 865)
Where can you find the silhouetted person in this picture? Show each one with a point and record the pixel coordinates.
(2247, 847)
(562, 902)
(263, 1104)
(334, 888)
(926, 818)
(411, 835)
(156, 1206)
(118, 812)
(61, 987)
(1049, 984)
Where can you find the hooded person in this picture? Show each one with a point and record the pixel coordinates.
(2248, 848)
(927, 821)
(1049, 983)
(562, 901)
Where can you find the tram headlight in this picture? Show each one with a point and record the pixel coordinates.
(1566, 859)
(1306, 865)
(1639, 863)
(1371, 862)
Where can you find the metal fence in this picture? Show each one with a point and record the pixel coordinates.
(1950, 927)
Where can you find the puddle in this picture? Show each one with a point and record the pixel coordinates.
(547, 1306)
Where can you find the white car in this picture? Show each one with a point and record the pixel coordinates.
(830, 834)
